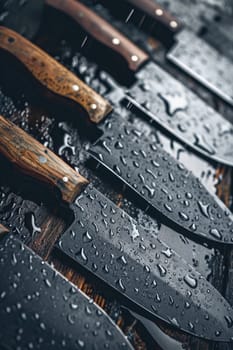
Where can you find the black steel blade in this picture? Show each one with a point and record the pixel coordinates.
(182, 113)
(219, 35)
(22, 16)
(203, 63)
(41, 310)
(110, 244)
(163, 182)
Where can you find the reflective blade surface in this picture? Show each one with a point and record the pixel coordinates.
(110, 244)
(40, 309)
(181, 112)
(203, 63)
(163, 182)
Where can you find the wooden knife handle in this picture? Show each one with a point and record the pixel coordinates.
(102, 31)
(158, 13)
(37, 161)
(53, 75)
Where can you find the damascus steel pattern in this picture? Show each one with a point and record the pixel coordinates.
(163, 182)
(41, 310)
(180, 111)
(204, 64)
(110, 244)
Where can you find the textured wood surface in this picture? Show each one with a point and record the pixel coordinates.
(102, 31)
(35, 160)
(157, 12)
(59, 80)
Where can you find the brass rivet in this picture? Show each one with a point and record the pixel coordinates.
(93, 106)
(65, 179)
(75, 87)
(116, 41)
(173, 24)
(42, 159)
(134, 58)
(159, 12)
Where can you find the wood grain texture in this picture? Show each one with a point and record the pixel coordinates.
(53, 75)
(158, 13)
(38, 161)
(102, 31)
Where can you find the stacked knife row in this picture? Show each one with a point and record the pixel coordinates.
(104, 239)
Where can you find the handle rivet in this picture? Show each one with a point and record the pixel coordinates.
(65, 179)
(93, 106)
(159, 12)
(75, 87)
(42, 160)
(173, 24)
(116, 41)
(134, 58)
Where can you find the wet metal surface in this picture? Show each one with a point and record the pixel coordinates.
(40, 309)
(51, 125)
(182, 113)
(204, 64)
(132, 260)
(163, 182)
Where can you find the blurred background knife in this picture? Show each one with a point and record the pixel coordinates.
(155, 92)
(192, 54)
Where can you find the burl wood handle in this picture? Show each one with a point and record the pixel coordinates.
(158, 13)
(37, 161)
(102, 31)
(53, 75)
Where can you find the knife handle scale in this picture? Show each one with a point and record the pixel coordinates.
(158, 13)
(37, 161)
(102, 31)
(52, 75)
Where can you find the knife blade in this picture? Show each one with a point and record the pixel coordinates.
(111, 245)
(59, 80)
(41, 309)
(163, 182)
(219, 35)
(194, 56)
(157, 94)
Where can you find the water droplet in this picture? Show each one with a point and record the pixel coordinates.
(168, 252)
(14, 259)
(121, 284)
(204, 209)
(229, 321)
(215, 233)
(183, 216)
(162, 270)
(174, 102)
(191, 281)
(87, 237)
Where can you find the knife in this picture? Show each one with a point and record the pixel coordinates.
(193, 55)
(156, 93)
(111, 245)
(40, 309)
(195, 16)
(190, 14)
(208, 219)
